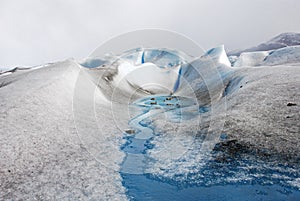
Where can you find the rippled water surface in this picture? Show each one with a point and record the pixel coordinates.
(218, 177)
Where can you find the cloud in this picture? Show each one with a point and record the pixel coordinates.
(35, 32)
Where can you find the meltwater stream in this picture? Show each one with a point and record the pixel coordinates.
(137, 145)
(243, 178)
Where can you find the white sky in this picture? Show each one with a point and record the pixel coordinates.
(38, 31)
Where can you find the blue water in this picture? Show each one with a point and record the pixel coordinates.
(141, 187)
(242, 177)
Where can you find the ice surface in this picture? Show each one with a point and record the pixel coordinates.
(220, 126)
(42, 156)
(93, 62)
(269, 58)
(251, 59)
(283, 56)
(147, 77)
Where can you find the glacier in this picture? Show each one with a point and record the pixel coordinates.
(151, 122)
(286, 55)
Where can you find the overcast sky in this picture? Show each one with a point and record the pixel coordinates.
(38, 31)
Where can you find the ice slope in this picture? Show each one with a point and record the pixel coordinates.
(280, 41)
(204, 77)
(42, 156)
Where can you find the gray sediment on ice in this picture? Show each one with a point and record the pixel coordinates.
(263, 113)
(42, 156)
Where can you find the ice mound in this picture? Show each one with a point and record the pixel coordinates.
(146, 71)
(218, 55)
(283, 56)
(204, 77)
(146, 77)
(269, 58)
(138, 73)
(251, 58)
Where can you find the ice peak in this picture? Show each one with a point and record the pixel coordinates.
(219, 55)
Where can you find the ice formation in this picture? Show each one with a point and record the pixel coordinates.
(269, 58)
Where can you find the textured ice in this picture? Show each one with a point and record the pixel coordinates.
(269, 58)
(163, 58)
(174, 153)
(146, 77)
(42, 156)
(93, 62)
(181, 135)
(283, 56)
(251, 59)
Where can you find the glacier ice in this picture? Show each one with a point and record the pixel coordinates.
(171, 103)
(269, 58)
(251, 58)
(93, 62)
